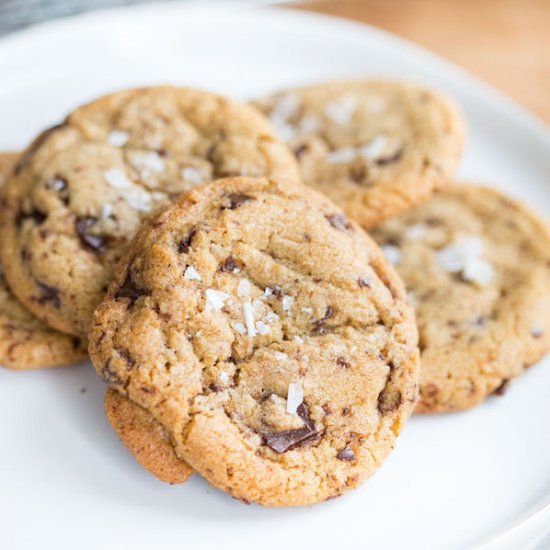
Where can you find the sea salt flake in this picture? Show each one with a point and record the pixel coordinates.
(453, 258)
(149, 161)
(262, 328)
(193, 175)
(339, 156)
(239, 327)
(392, 253)
(308, 310)
(479, 271)
(106, 210)
(58, 184)
(287, 106)
(118, 138)
(280, 356)
(298, 339)
(139, 200)
(159, 196)
(243, 288)
(270, 317)
(249, 319)
(224, 377)
(268, 291)
(236, 270)
(284, 129)
(215, 299)
(416, 231)
(192, 274)
(287, 302)
(117, 178)
(295, 397)
(309, 124)
(340, 111)
(374, 148)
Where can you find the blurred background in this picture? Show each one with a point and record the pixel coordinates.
(506, 42)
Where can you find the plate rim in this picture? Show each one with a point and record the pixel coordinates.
(501, 102)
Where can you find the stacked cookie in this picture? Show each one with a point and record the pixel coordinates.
(247, 326)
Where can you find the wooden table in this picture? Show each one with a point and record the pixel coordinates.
(505, 42)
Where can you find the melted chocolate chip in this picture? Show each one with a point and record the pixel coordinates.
(390, 159)
(341, 362)
(358, 173)
(363, 282)
(130, 290)
(36, 215)
(238, 199)
(185, 243)
(318, 324)
(110, 376)
(388, 401)
(301, 149)
(277, 291)
(125, 354)
(503, 388)
(82, 226)
(49, 294)
(346, 454)
(338, 221)
(286, 440)
(229, 265)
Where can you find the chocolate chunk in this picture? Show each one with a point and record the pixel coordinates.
(346, 454)
(35, 214)
(286, 440)
(238, 199)
(388, 401)
(503, 388)
(363, 282)
(82, 226)
(185, 243)
(130, 290)
(338, 221)
(390, 159)
(49, 294)
(229, 265)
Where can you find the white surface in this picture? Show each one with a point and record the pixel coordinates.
(453, 481)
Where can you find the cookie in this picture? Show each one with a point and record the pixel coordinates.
(269, 336)
(26, 342)
(82, 189)
(145, 438)
(376, 148)
(477, 267)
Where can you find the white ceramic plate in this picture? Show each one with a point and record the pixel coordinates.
(453, 481)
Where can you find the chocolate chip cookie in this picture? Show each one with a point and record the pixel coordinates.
(81, 190)
(145, 438)
(376, 148)
(477, 267)
(268, 335)
(26, 342)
